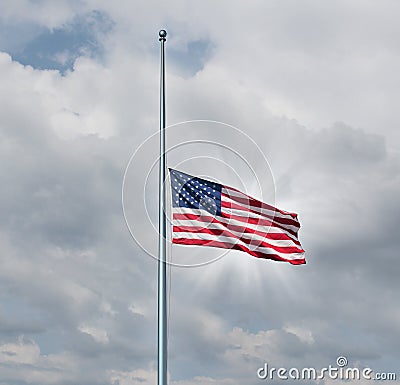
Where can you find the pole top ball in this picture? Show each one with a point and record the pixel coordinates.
(162, 34)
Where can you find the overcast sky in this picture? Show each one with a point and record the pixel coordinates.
(307, 94)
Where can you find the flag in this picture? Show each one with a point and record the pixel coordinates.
(207, 213)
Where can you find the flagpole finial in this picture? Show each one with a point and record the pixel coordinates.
(162, 34)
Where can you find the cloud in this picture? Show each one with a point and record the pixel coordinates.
(24, 353)
(59, 48)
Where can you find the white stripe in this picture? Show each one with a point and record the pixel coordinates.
(231, 193)
(241, 234)
(266, 229)
(265, 213)
(249, 214)
(235, 241)
(271, 213)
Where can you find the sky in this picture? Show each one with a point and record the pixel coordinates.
(293, 102)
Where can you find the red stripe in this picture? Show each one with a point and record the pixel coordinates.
(258, 221)
(224, 245)
(283, 221)
(248, 200)
(269, 232)
(248, 230)
(226, 233)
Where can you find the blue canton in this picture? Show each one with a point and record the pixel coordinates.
(195, 193)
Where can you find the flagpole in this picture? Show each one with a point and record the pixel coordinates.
(162, 222)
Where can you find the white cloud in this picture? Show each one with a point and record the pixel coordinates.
(135, 377)
(97, 334)
(45, 13)
(303, 334)
(22, 361)
(20, 352)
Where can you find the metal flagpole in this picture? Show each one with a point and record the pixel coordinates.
(162, 227)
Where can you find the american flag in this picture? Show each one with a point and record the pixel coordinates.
(210, 214)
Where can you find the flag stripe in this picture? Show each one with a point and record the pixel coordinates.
(249, 215)
(240, 197)
(274, 238)
(205, 217)
(180, 232)
(256, 212)
(259, 221)
(270, 254)
(229, 241)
